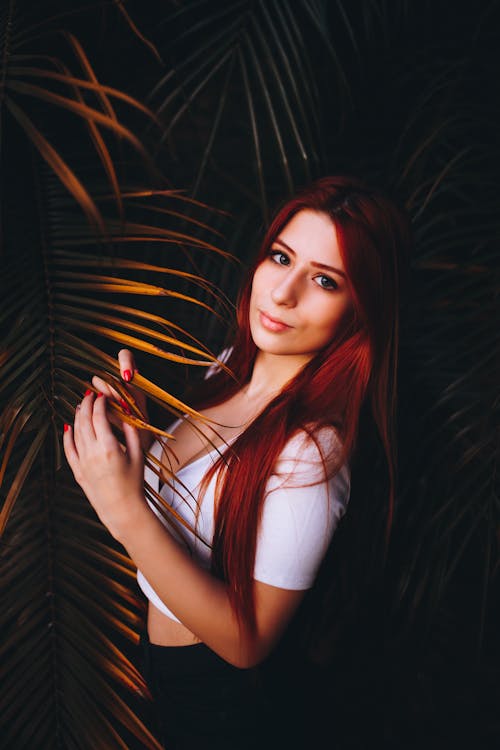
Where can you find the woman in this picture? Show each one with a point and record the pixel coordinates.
(264, 480)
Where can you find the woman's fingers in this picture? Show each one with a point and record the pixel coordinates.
(100, 421)
(127, 364)
(71, 451)
(133, 440)
(127, 370)
(83, 425)
(136, 397)
(105, 435)
(102, 387)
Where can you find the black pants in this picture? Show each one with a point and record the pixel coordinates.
(203, 702)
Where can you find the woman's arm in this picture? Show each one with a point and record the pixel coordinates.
(199, 600)
(111, 476)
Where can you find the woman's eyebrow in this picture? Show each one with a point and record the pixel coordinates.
(324, 267)
(321, 266)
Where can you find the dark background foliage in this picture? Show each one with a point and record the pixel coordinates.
(253, 99)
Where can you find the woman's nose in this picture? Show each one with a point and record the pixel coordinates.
(286, 291)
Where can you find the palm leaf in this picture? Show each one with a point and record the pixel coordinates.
(255, 49)
(253, 99)
(67, 590)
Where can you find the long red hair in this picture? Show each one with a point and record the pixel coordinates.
(360, 363)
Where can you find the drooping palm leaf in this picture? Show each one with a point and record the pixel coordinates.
(71, 610)
(254, 98)
(255, 56)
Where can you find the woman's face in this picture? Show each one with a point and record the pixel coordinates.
(299, 293)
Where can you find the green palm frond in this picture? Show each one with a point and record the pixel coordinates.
(454, 347)
(63, 89)
(48, 357)
(79, 318)
(77, 285)
(52, 346)
(255, 55)
(248, 100)
(68, 602)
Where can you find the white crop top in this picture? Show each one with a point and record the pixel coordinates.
(301, 511)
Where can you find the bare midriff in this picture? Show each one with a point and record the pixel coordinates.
(230, 418)
(163, 631)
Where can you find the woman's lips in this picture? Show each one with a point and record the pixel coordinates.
(272, 324)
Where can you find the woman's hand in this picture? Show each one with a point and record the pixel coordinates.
(110, 474)
(127, 372)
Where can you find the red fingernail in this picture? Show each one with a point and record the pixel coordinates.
(88, 392)
(99, 395)
(66, 427)
(127, 376)
(125, 405)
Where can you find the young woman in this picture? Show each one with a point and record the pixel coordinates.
(264, 479)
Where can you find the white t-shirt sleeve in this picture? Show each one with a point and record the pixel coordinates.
(301, 511)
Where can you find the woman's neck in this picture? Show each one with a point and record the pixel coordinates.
(271, 372)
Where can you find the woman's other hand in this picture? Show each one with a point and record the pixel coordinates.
(127, 371)
(110, 474)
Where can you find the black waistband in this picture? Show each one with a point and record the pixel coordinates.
(196, 658)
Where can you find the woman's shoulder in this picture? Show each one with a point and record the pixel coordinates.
(313, 450)
(314, 440)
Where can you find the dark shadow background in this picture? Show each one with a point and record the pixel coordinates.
(253, 100)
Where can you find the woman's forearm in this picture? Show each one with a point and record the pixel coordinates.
(198, 599)
(113, 481)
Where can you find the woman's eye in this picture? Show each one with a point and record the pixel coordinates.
(325, 282)
(278, 256)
